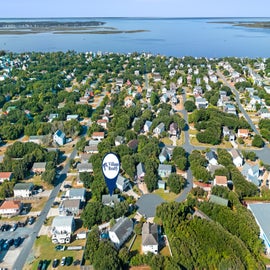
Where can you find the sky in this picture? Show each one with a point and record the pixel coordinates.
(134, 8)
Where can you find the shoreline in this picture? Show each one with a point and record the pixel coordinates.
(262, 25)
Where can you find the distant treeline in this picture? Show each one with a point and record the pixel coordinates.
(42, 24)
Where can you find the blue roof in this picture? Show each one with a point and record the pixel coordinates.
(60, 133)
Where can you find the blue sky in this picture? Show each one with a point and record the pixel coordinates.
(134, 8)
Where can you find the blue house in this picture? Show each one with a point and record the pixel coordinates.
(164, 170)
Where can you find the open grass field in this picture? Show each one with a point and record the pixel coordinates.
(169, 197)
(44, 249)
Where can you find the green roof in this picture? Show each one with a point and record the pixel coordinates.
(218, 200)
(25, 186)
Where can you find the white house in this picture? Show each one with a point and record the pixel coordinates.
(237, 158)
(120, 232)
(76, 193)
(59, 137)
(159, 129)
(122, 183)
(147, 126)
(212, 157)
(23, 189)
(149, 238)
(10, 208)
(63, 224)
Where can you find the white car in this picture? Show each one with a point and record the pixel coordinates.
(63, 261)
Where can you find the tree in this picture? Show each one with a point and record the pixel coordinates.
(87, 179)
(48, 176)
(176, 183)
(190, 106)
(257, 141)
(92, 214)
(106, 257)
(154, 99)
(92, 244)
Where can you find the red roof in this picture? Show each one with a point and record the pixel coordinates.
(221, 180)
(10, 205)
(5, 175)
(98, 134)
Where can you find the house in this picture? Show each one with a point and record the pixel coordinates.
(149, 238)
(36, 139)
(52, 116)
(121, 231)
(220, 181)
(119, 140)
(76, 193)
(163, 156)
(140, 171)
(201, 103)
(251, 173)
(159, 129)
(39, 167)
(237, 158)
(173, 129)
(59, 137)
(211, 156)
(229, 133)
(147, 126)
(212, 168)
(122, 183)
(119, 82)
(264, 113)
(23, 189)
(102, 122)
(164, 170)
(206, 187)
(10, 208)
(63, 225)
(92, 147)
(98, 135)
(110, 200)
(156, 77)
(243, 133)
(161, 184)
(72, 117)
(128, 102)
(133, 144)
(85, 167)
(5, 176)
(261, 213)
(70, 207)
(218, 200)
(85, 157)
(230, 108)
(164, 98)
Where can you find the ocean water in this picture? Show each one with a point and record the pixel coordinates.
(172, 37)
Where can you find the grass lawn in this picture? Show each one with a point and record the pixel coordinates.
(170, 196)
(37, 181)
(166, 141)
(44, 249)
(165, 251)
(181, 141)
(136, 247)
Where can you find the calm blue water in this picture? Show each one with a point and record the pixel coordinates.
(171, 37)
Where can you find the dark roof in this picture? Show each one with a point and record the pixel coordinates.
(211, 155)
(23, 186)
(149, 234)
(122, 227)
(148, 203)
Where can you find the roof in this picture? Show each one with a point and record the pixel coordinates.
(218, 200)
(5, 175)
(243, 131)
(60, 133)
(235, 153)
(60, 221)
(261, 212)
(23, 186)
(221, 180)
(85, 166)
(121, 180)
(122, 226)
(10, 205)
(211, 155)
(148, 203)
(149, 234)
(76, 192)
(108, 199)
(39, 165)
(98, 134)
(140, 169)
(73, 203)
(133, 144)
(164, 167)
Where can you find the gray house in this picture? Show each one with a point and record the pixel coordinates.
(140, 171)
(159, 129)
(164, 170)
(70, 207)
(76, 193)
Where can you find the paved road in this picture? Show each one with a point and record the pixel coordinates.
(189, 148)
(28, 244)
(237, 98)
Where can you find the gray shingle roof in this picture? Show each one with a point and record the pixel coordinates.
(23, 186)
(149, 234)
(122, 227)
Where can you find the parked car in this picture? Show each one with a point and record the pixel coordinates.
(14, 227)
(2, 228)
(31, 220)
(55, 263)
(17, 241)
(44, 265)
(63, 261)
(7, 227)
(60, 247)
(40, 265)
(2, 241)
(76, 262)
(69, 261)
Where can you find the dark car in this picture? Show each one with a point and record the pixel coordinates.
(2, 241)
(44, 265)
(69, 261)
(31, 220)
(7, 227)
(17, 241)
(40, 265)
(2, 228)
(55, 263)
(76, 262)
(59, 247)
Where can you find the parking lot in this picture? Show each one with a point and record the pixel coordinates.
(12, 241)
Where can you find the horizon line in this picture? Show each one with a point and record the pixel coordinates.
(138, 17)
